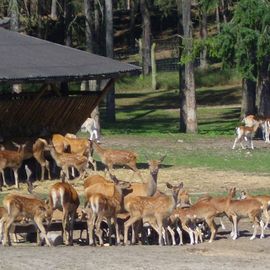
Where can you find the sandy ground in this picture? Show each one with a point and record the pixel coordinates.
(223, 253)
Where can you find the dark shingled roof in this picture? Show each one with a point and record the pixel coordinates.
(24, 58)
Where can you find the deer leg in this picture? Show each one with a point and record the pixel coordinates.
(172, 235)
(222, 224)
(190, 233)
(262, 229)
(98, 229)
(160, 226)
(16, 178)
(42, 172)
(41, 228)
(255, 225)
(235, 141)
(117, 230)
(251, 144)
(2, 220)
(73, 172)
(72, 219)
(47, 165)
(235, 223)
(64, 225)
(109, 222)
(7, 224)
(267, 218)
(211, 224)
(180, 233)
(91, 223)
(127, 224)
(3, 177)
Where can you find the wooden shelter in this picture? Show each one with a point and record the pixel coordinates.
(26, 59)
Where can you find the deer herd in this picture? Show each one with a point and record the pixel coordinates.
(118, 211)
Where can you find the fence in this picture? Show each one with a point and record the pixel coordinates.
(166, 51)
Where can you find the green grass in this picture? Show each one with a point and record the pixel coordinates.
(140, 110)
(144, 113)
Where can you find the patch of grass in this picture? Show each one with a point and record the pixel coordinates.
(140, 110)
(214, 76)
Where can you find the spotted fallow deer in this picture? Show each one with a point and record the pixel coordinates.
(18, 205)
(65, 198)
(147, 188)
(39, 147)
(68, 160)
(105, 207)
(71, 144)
(264, 200)
(13, 160)
(156, 208)
(111, 157)
(237, 209)
(264, 123)
(245, 133)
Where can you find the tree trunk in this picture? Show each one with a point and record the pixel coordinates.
(14, 26)
(146, 38)
(88, 25)
(133, 9)
(218, 19)
(203, 36)
(68, 14)
(179, 15)
(110, 101)
(248, 97)
(224, 10)
(14, 15)
(188, 104)
(154, 67)
(54, 10)
(263, 88)
(97, 26)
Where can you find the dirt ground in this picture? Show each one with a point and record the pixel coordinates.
(223, 253)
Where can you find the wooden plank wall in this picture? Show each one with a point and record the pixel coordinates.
(38, 115)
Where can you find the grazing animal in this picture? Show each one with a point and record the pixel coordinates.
(111, 157)
(157, 209)
(18, 205)
(65, 198)
(245, 133)
(38, 152)
(13, 160)
(105, 207)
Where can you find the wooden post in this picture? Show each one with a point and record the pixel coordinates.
(154, 67)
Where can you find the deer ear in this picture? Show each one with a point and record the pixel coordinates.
(169, 185)
(181, 185)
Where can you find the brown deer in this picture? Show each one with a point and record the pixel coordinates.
(111, 157)
(157, 209)
(264, 123)
(200, 211)
(245, 133)
(264, 200)
(12, 159)
(147, 188)
(65, 198)
(105, 207)
(39, 147)
(68, 160)
(26, 206)
(70, 143)
(237, 209)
